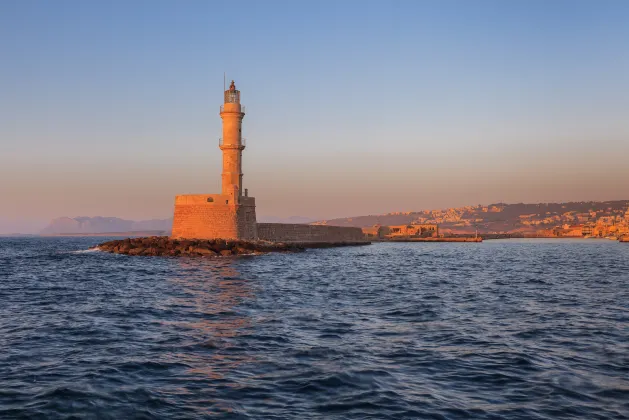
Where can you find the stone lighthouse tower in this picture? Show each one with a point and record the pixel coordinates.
(230, 214)
(231, 143)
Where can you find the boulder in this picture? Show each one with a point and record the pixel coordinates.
(204, 252)
(136, 251)
(148, 252)
(219, 245)
(242, 250)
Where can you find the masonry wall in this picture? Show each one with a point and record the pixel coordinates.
(210, 216)
(247, 226)
(281, 232)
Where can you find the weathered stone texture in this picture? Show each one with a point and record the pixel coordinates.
(247, 226)
(197, 218)
(281, 232)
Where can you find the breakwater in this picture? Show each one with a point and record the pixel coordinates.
(479, 239)
(164, 246)
(286, 232)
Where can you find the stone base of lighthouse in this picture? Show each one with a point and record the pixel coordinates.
(214, 216)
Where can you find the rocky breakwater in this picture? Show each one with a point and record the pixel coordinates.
(163, 246)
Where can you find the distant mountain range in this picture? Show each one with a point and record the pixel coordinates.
(88, 225)
(98, 225)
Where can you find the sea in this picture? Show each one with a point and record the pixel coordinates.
(504, 329)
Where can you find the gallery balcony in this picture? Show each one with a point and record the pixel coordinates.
(242, 108)
(243, 142)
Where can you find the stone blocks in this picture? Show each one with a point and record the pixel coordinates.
(282, 232)
(213, 216)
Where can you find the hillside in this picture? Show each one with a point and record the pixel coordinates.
(496, 218)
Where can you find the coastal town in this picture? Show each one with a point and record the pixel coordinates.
(548, 220)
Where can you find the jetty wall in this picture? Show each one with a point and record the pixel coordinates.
(447, 239)
(283, 232)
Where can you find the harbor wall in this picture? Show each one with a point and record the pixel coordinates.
(282, 232)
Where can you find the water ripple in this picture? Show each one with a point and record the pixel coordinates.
(530, 329)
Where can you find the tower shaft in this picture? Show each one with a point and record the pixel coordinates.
(232, 143)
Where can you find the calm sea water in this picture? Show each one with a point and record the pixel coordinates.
(527, 329)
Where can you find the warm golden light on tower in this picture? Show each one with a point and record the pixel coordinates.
(230, 214)
(232, 143)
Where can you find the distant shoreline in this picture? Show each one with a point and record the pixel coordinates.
(125, 234)
(454, 238)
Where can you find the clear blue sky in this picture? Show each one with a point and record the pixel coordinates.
(354, 107)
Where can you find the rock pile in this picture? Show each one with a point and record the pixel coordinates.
(164, 246)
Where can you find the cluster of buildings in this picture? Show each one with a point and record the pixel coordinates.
(570, 217)
(459, 216)
(603, 222)
(611, 222)
(379, 232)
(613, 226)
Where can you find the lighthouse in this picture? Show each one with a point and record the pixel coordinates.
(230, 214)
(232, 143)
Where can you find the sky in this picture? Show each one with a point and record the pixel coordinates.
(353, 107)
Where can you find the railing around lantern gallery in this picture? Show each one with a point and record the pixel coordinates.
(243, 142)
(232, 96)
(242, 108)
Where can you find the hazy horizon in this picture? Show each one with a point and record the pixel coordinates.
(22, 226)
(353, 108)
